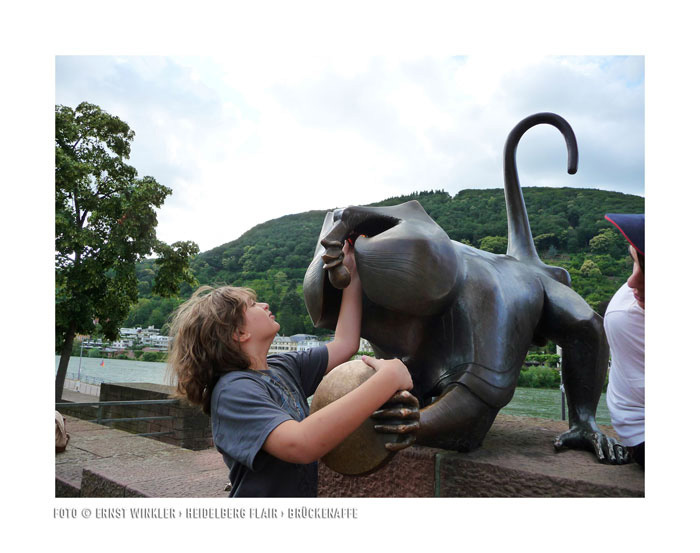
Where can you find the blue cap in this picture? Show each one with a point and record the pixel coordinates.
(631, 226)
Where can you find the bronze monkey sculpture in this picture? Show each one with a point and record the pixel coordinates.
(462, 319)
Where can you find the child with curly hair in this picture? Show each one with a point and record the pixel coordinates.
(258, 403)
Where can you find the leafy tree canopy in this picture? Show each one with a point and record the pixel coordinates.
(494, 244)
(105, 223)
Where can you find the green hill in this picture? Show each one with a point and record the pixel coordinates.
(567, 224)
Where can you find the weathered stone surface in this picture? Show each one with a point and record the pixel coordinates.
(94, 485)
(74, 454)
(105, 462)
(517, 459)
(209, 483)
(172, 472)
(69, 468)
(362, 451)
(460, 477)
(121, 444)
(411, 473)
(75, 426)
(93, 443)
(65, 488)
(68, 480)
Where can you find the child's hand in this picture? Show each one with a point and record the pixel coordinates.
(340, 263)
(349, 259)
(396, 366)
(400, 415)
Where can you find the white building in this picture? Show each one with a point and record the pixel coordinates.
(303, 342)
(132, 334)
(122, 344)
(149, 336)
(282, 344)
(298, 342)
(142, 336)
(96, 343)
(306, 341)
(160, 342)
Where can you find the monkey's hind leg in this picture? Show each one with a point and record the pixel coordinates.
(570, 322)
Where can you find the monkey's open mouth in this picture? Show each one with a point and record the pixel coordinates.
(372, 227)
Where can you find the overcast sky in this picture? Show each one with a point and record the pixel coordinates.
(241, 140)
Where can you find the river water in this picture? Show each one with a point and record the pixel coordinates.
(114, 370)
(530, 402)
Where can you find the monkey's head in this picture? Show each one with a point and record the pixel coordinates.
(405, 261)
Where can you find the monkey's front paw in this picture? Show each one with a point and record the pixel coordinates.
(400, 415)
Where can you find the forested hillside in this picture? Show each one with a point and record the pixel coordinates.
(567, 224)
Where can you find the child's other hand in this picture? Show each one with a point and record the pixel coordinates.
(397, 368)
(400, 415)
(349, 259)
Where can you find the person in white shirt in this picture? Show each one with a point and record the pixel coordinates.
(624, 327)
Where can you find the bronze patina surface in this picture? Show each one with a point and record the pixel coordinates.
(462, 319)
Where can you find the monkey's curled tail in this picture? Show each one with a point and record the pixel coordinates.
(520, 242)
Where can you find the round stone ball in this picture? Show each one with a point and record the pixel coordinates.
(363, 451)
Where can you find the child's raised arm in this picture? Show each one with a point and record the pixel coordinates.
(347, 331)
(320, 432)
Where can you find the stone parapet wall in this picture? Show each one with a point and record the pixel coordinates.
(106, 462)
(517, 459)
(190, 428)
(81, 387)
(411, 473)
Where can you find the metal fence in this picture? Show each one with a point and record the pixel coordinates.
(87, 379)
(100, 405)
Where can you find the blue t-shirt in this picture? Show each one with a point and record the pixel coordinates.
(247, 405)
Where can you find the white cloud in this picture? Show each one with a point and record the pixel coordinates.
(244, 139)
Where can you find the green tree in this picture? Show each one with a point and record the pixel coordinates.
(603, 242)
(292, 313)
(174, 260)
(105, 223)
(494, 244)
(545, 242)
(590, 269)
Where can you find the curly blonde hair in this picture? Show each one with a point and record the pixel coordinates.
(202, 347)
